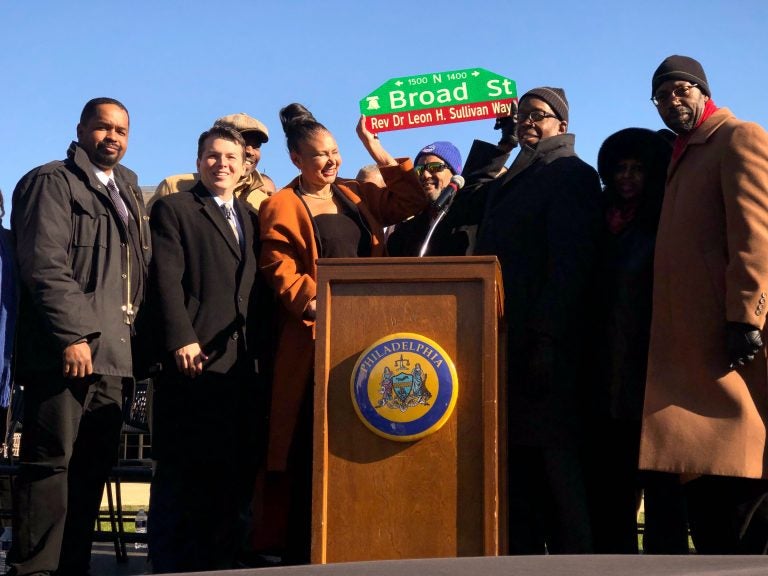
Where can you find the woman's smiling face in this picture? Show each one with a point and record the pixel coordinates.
(318, 159)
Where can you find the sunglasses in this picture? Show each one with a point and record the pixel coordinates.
(431, 167)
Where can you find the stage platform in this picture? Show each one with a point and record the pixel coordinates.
(104, 564)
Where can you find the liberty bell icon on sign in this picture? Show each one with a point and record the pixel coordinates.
(373, 102)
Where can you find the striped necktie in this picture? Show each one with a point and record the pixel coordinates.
(229, 214)
(117, 200)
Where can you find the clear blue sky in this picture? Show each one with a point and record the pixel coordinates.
(178, 65)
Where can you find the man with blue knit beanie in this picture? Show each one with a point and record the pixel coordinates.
(435, 165)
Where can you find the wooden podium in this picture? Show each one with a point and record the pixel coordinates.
(439, 496)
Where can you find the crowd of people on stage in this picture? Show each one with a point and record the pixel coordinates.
(634, 301)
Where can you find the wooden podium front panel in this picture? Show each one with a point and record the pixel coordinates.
(382, 499)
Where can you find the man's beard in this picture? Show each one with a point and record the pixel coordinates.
(107, 160)
(680, 125)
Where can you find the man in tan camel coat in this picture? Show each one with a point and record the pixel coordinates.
(706, 403)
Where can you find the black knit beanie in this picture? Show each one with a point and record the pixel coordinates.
(555, 97)
(680, 68)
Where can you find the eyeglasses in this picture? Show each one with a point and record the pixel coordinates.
(431, 167)
(535, 116)
(680, 92)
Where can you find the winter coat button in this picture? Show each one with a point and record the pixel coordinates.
(235, 336)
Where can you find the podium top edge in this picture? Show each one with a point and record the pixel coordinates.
(389, 260)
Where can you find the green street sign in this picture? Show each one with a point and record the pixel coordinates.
(438, 98)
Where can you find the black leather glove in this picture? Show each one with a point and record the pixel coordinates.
(508, 127)
(742, 342)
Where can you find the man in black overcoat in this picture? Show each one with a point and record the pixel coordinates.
(207, 407)
(542, 220)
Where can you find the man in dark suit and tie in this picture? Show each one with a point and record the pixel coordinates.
(207, 406)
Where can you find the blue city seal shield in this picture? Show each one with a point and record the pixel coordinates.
(404, 387)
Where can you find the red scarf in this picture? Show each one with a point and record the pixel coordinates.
(682, 139)
(618, 217)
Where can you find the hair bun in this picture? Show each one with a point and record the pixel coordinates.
(298, 125)
(294, 114)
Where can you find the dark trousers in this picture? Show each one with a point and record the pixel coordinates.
(666, 514)
(69, 444)
(614, 484)
(299, 530)
(195, 515)
(547, 502)
(207, 433)
(728, 515)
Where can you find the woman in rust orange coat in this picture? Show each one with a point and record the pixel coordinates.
(317, 215)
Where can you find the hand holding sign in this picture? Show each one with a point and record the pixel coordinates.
(439, 98)
(363, 132)
(508, 127)
(373, 145)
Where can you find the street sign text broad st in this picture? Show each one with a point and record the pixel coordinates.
(438, 98)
